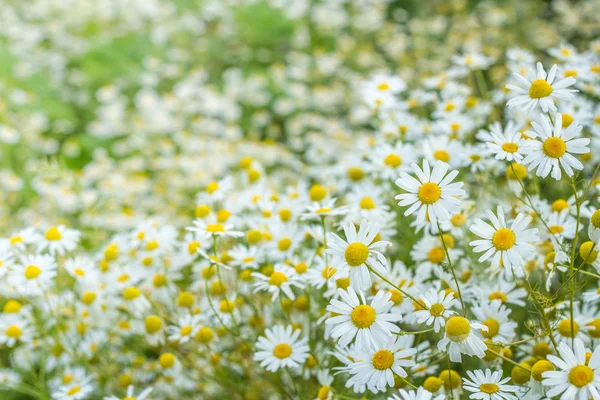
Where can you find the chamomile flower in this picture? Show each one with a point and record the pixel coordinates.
(431, 195)
(281, 348)
(438, 309)
(33, 275)
(209, 230)
(57, 240)
(508, 247)
(555, 148)
(131, 394)
(359, 252)
(489, 385)
(282, 279)
(185, 329)
(576, 377)
(494, 315)
(355, 319)
(15, 329)
(505, 144)
(460, 338)
(419, 394)
(377, 365)
(541, 91)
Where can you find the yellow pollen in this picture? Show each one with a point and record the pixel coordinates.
(13, 331)
(53, 234)
(356, 254)
(367, 203)
(441, 155)
(131, 293)
(226, 306)
(212, 187)
(556, 229)
(433, 384)
(567, 120)
(355, 174)
(32, 272)
(437, 309)
(151, 245)
(392, 160)
(458, 220)
(515, 171)
(16, 239)
(504, 239)
(458, 329)
(436, 255)
(159, 280)
(489, 388)
(223, 215)
(554, 147)
(186, 330)
(539, 368)
(498, 296)
(277, 278)
(284, 244)
(383, 87)
(73, 390)
(540, 88)
(581, 375)
(455, 128)
(559, 205)
(285, 214)
(449, 107)
(166, 360)
(382, 360)
(202, 211)
(328, 272)
(111, 252)
(153, 324)
(429, 193)
(323, 210)
(212, 228)
(588, 252)
(510, 147)
(493, 328)
(363, 316)
(12, 306)
(317, 193)
(88, 297)
(564, 328)
(193, 246)
(282, 350)
(595, 220)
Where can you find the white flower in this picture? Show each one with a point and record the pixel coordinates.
(506, 246)
(576, 378)
(57, 240)
(370, 324)
(489, 385)
(438, 309)
(540, 91)
(505, 144)
(357, 251)
(280, 348)
(208, 230)
(33, 275)
(462, 340)
(376, 367)
(281, 280)
(494, 315)
(131, 394)
(420, 394)
(555, 148)
(432, 195)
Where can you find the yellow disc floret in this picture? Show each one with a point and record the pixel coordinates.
(540, 88)
(356, 254)
(429, 193)
(504, 239)
(458, 329)
(363, 316)
(382, 360)
(581, 375)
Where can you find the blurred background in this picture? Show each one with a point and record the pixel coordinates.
(112, 110)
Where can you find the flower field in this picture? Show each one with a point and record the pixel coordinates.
(299, 199)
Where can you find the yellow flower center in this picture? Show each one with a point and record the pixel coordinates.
(193, 246)
(392, 160)
(367, 203)
(383, 86)
(588, 252)
(541, 349)
(556, 229)
(539, 368)
(458, 329)
(53, 234)
(539, 88)
(581, 375)
(323, 210)
(510, 147)
(226, 306)
(317, 193)
(186, 330)
(442, 155)
(559, 205)
(595, 220)
(277, 278)
(328, 272)
(382, 360)
(437, 309)
(429, 193)
(284, 244)
(363, 316)
(73, 390)
(111, 252)
(151, 245)
(554, 147)
(282, 350)
(436, 255)
(159, 280)
(153, 324)
(433, 384)
(212, 228)
(493, 328)
(356, 254)
(498, 296)
(504, 239)
(166, 360)
(458, 220)
(212, 187)
(88, 297)
(285, 214)
(489, 388)
(323, 393)
(131, 293)
(32, 272)
(13, 331)
(564, 328)
(567, 120)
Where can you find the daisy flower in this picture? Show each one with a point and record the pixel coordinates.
(369, 324)
(33, 275)
(555, 147)
(489, 385)
(495, 316)
(508, 247)
(462, 339)
(57, 240)
(326, 208)
(576, 377)
(419, 394)
(208, 230)
(438, 309)
(376, 366)
(14, 328)
(186, 328)
(358, 252)
(280, 348)
(541, 91)
(505, 144)
(281, 280)
(432, 195)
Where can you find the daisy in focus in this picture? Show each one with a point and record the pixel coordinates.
(281, 348)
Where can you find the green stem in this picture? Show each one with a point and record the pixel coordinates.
(396, 287)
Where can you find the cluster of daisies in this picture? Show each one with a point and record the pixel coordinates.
(307, 231)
